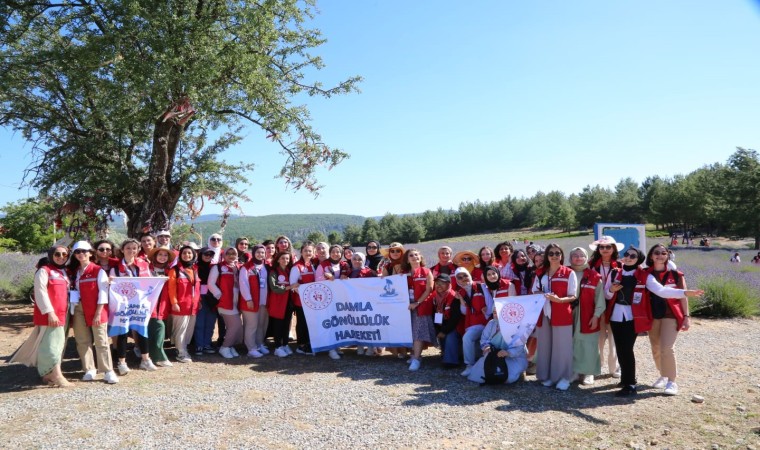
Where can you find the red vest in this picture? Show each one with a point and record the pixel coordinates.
(586, 303)
(436, 269)
(88, 294)
(473, 315)
(226, 283)
(674, 303)
(345, 268)
(163, 305)
(364, 272)
(255, 290)
(443, 306)
(417, 282)
(143, 269)
(305, 275)
(58, 292)
(503, 290)
(278, 302)
(477, 275)
(189, 292)
(562, 313)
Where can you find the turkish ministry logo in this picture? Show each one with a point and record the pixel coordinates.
(317, 296)
(512, 313)
(125, 289)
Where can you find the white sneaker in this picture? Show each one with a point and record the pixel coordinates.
(184, 359)
(255, 353)
(360, 350)
(547, 383)
(563, 385)
(164, 363)
(415, 365)
(671, 388)
(110, 377)
(122, 368)
(147, 364)
(588, 380)
(616, 374)
(466, 372)
(226, 352)
(333, 354)
(660, 383)
(234, 352)
(280, 351)
(89, 375)
(287, 349)
(263, 349)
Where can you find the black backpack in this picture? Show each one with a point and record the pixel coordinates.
(495, 368)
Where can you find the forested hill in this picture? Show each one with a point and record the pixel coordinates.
(295, 226)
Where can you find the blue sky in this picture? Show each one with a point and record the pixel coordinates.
(480, 100)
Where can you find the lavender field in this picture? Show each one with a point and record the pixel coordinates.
(16, 276)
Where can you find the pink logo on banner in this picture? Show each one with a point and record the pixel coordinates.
(512, 313)
(125, 289)
(317, 296)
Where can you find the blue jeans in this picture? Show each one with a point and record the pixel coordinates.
(450, 345)
(471, 344)
(205, 322)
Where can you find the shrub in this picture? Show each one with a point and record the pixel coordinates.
(726, 298)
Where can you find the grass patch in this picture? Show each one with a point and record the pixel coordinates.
(726, 298)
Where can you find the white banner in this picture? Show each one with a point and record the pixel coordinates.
(360, 311)
(518, 316)
(130, 303)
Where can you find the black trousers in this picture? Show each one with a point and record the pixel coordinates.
(121, 345)
(625, 338)
(281, 327)
(302, 329)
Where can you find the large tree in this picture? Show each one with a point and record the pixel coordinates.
(129, 103)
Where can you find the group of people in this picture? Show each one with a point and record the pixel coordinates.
(247, 294)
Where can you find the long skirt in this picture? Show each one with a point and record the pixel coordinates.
(43, 349)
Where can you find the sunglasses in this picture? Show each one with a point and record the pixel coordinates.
(394, 251)
(80, 252)
(466, 258)
(657, 253)
(604, 247)
(104, 249)
(631, 255)
(60, 254)
(208, 254)
(216, 239)
(553, 254)
(370, 247)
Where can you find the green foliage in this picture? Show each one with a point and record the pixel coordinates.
(726, 298)
(27, 226)
(334, 238)
(316, 237)
(120, 97)
(352, 234)
(370, 230)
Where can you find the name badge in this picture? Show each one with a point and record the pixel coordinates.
(636, 298)
(74, 296)
(411, 295)
(204, 289)
(438, 318)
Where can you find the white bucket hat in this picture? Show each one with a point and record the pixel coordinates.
(606, 240)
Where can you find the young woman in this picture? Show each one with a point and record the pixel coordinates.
(373, 256)
(503, 255)
(348, 252)
(269, 248)
(420, 283)
(104, 255)
(44, 347)
(586, 317)
(604, 260)
(391, 263)
(358, 267)
(446, 320)
(131, 266)
(628, 314)
(90, 283)
(444, 264)
(554, 365)
(283, 244)
(495, 287)
(473, 306)
(147, 244)
(518, 271)
(160, 259)
(184, 295)
(486, 258)
(253, 292)
(206, 317)
(280, 305)
(215, 244)
(334, 267)
(304, 272)
(670, 313)
(223, 284)
(469, 261)
(242, 245)
(492, 341)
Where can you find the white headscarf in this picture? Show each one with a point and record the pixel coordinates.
(217, 250)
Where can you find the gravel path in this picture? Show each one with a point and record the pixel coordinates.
(361, 402)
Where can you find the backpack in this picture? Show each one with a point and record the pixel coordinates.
(495, 368)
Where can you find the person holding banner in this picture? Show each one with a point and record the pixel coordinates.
(280, 305)
(253, 302)
(223, 284)
(44, 347)
(447, 318)
(391, 265)
(586, 317)
(420, 283)
(184, 295)
(90, 288)
(472, 304)
(131, 266)
(304, 272)
(160, 260)
(492, 340)
(554, 365)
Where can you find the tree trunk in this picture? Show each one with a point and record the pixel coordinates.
(160, 193)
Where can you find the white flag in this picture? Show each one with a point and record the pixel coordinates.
(518, 316)
(131, 301)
